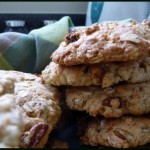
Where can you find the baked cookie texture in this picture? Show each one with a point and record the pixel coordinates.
(105, 42)
(125, 132)
(11, 122)
(39, 106)
(40, 110)
(102, 74)
(110, 102)
(19, 76)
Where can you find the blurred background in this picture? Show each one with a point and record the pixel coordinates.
(36, 14)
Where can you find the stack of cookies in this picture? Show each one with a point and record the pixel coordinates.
(106, 71)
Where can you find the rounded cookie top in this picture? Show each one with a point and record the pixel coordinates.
(18, 76)
(109, 41)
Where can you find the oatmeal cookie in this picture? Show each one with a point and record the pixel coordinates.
(11, 122)
(39, 105)
(105, 42)
(102, 74)
(124, 132)
(40, 110)
(110, 102)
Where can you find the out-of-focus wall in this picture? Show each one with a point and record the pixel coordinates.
(44, 7)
